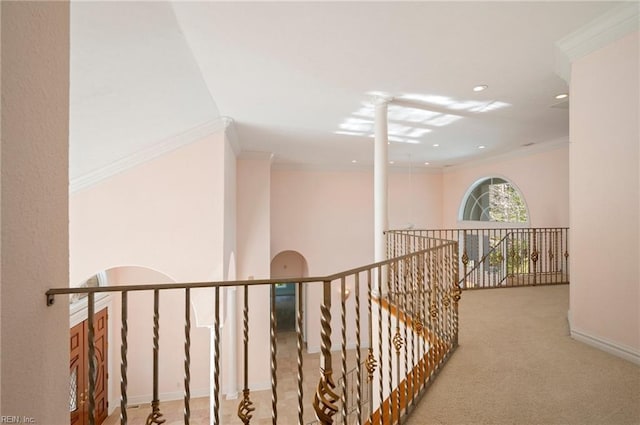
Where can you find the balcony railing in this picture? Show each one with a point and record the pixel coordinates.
(403, 317)
(503, 257)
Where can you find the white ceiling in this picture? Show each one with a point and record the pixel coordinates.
(294, 75)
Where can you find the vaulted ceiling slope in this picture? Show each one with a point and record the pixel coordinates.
(297, 77)
(134, 83)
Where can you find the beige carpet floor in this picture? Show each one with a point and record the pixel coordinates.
(517, 364)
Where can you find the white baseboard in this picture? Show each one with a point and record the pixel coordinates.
(610, 347)
(177, 395)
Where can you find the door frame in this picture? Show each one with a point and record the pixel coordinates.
(78, 313)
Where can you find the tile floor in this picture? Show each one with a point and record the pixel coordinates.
(287, 393)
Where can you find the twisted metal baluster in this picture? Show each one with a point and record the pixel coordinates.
(123, 359)
(437, 306)
(370, 363)
(300, 371)
(324, 401)
(343, 351)
(274, 362)
(420, 327)
(358, 363)
(457, 292)
(155, 417)
(405, 308)
(422, 343)
(380, 334)
(465, 259)
(187, 355)
(92, 358)
(534, 257)
(397, 338)
(433, 312)
(450, 285)
(245, 408)
(446, 301)
(216, 358)
(410, 333)
(390, 348)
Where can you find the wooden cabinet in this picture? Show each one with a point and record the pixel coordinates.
(79, 371)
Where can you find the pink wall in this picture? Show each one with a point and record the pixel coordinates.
(253, 260)
(153, 214)
(175, 214)
(415, 197)
(313, 210)
(140, 341)
(327, 216)
(542, 177)
(34, 207)
(605, 211)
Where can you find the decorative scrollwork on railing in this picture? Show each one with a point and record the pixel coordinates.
(245, 408)
(155, 417)
(446, 301)
(371, 365)
(324, 402)
(566, 254)
(419, 326)
(398, 341)
(456, 292)
(535, 255)
(433, 310)
(465, 258)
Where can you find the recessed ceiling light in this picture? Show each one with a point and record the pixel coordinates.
(562, 96)
(480, 87)
(392, 162)
(481, 147)
(426, 163)
(435, 145)
(353, 161)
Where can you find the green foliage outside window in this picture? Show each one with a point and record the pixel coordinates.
(496, 200)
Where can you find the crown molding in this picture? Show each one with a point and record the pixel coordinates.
(607, 28)
(232, 136)
(524, 151)
(256, 155)
(165, 146)
(353, 168)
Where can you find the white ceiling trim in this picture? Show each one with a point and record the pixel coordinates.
(524, 151)
(256, 156)
(170, 144)
(603, 30)
(403, 168)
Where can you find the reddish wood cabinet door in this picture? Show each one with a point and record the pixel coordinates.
(79, 370)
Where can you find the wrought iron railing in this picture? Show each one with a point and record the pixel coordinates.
(500, 257)
(403, 317)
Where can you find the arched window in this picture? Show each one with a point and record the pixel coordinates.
(495, 199)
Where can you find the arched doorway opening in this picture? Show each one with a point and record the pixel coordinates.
(286, 265)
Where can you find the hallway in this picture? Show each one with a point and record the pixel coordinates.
(517, 364)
